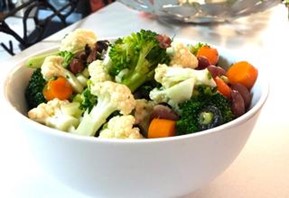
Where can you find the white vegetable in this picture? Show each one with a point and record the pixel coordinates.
(59, 114)
(52, 67)
(181, 56)
(178, 83)
(75, 41)
(97, 72)
(121, 127)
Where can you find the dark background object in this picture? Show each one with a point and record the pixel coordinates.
(49, 16)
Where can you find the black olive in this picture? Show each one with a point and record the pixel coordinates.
(209, 117)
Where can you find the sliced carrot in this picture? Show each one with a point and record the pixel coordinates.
(223, 87)
(161, 128)
(242, 72)
(58, 88)
(210, 53)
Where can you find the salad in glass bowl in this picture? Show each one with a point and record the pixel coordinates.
(142, 85)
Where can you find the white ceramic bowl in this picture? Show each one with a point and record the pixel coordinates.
(167, 167)
(201, 11)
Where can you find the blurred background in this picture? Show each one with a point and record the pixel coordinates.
(26, 22)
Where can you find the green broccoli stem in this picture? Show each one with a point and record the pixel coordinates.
(139, 75)
(37, 61)
(135, 80)
(93, 120)
(135, 57)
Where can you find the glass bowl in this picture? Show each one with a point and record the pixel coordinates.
(201, 11)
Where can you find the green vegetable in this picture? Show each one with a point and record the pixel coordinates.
(134, 58)
(195, 48)
(67, 57)
(37, 61)
(33, 91)
(86, 99)
(206, 109)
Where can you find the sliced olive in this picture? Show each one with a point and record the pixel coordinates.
(209, 117)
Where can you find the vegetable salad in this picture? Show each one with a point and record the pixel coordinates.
(142, 85)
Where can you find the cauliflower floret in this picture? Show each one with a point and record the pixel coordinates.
(178, 83)
(181, 56)
(75, 41)
(169, 76)
(52, 67)
(111, 97)
(142, 113)
(143, 110)
(175, 94)
(97, 72)
(117, 95)
(59, 114)
(121, 127)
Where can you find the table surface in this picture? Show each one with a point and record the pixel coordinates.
(262, 168)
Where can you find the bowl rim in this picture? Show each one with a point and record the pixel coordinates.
(264, 92)
(166, 10)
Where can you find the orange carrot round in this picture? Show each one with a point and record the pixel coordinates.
(223, 87)
(159, 128)
(210, 53)
(242, 72)
(58, 88)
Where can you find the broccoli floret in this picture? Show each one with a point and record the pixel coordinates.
(111, 97)
(33, 92)
(67, 56)
(206, 109)
(85, 99)
(134, 58)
